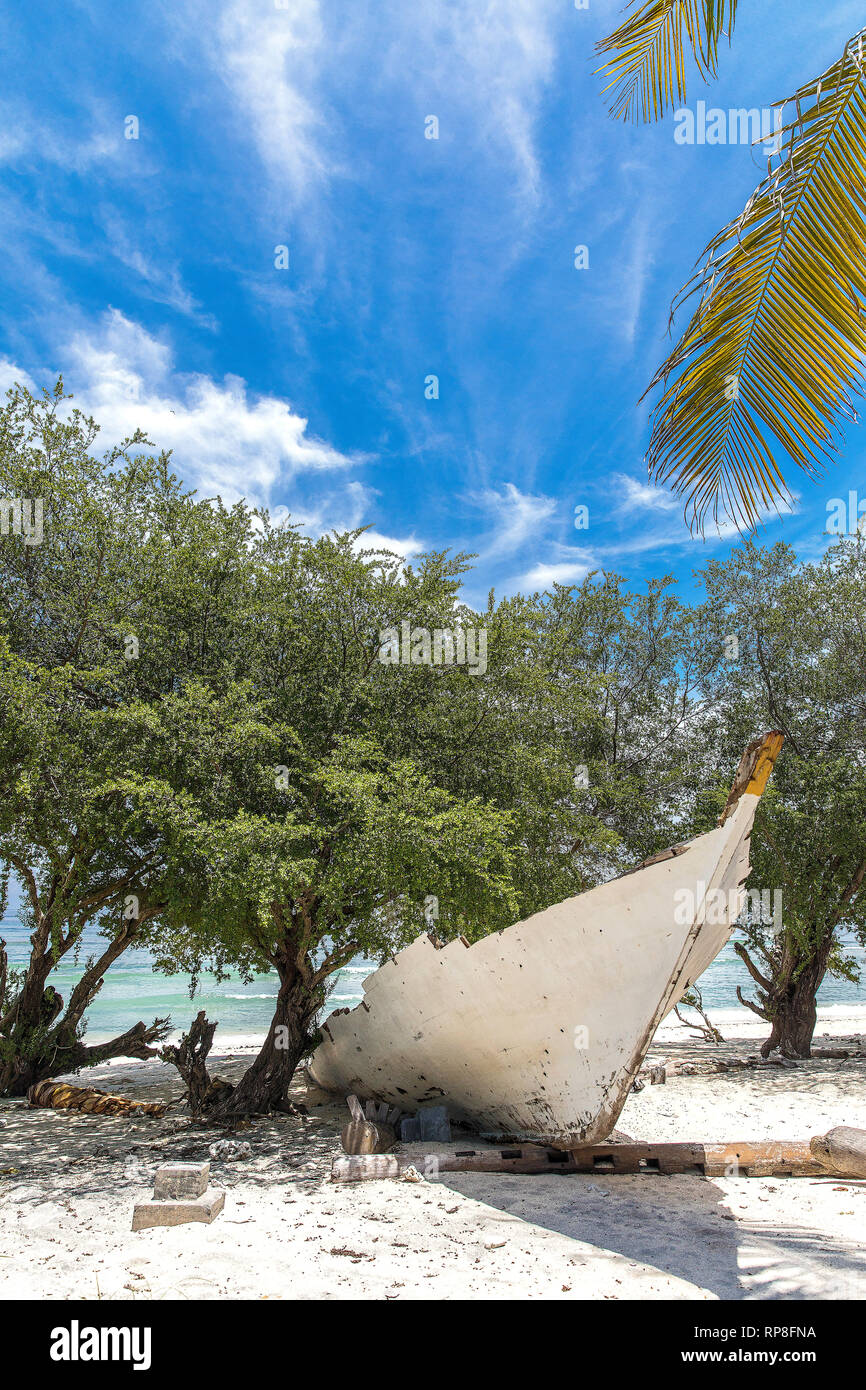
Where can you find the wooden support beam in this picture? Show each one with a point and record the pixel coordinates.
(739, 1159)
(779, 1159)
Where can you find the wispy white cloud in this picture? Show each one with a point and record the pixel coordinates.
(406, 547)
(159, 279)
(93, 139)
(271, 60)
(650, 518)
(516, 518)
(494, 61)
(490, 62)
(544, 576)
(346, 508)
(644, 496)
(641, 243)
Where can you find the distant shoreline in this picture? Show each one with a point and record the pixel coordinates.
(834, 1020)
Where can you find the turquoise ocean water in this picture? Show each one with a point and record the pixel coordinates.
(133, 990)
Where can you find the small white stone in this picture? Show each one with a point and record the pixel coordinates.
(230, 1150)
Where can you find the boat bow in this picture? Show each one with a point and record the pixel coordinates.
(536, 1032)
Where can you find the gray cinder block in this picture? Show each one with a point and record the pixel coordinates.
(176, 1213)
(434, 1124)
(178, 1180)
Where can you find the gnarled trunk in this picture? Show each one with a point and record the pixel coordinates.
(787, 998)
(37, 1056)
(265, 1084)
(190, 1058)
(794, 1015)
(36, 1043)
(24, 1040)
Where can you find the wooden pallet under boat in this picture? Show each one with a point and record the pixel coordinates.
(535, 1033)
(767, 1158)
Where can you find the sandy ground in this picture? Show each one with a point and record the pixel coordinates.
(68, 1183)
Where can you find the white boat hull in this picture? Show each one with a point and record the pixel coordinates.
(535, 1033)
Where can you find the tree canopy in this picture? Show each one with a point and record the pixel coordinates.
(245, 748)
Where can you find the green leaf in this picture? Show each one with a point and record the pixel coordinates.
(773, 350)
(647, 69)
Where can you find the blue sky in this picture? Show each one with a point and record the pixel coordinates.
(144, 269)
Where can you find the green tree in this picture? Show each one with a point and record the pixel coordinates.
(376, 799)
(124, 594)
(641, 663)
(202, 717)
(772, 353)
(796, 653)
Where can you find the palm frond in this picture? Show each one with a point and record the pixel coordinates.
(775, 348)
(648, 68)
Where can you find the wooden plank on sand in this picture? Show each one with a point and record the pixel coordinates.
(762, 1159)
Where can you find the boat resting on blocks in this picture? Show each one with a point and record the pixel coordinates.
(536, 1032)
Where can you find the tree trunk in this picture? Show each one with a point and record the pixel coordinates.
(36, 1043)
(37, 1056)
(786, 994)
(793, 1013)
(190, 1058)
(265, 1085)
(17, 1074)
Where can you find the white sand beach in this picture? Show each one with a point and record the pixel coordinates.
(68, 1183)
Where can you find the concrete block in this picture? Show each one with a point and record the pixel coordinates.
(177, 1213)
(434, 1124)
(176, 1180)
